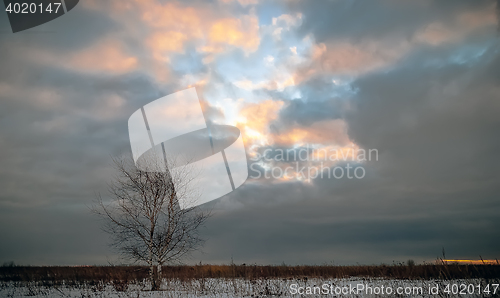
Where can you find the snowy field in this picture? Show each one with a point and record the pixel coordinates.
(301, 287)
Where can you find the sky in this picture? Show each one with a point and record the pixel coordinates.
(416, 82)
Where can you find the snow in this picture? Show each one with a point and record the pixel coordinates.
(237, 287)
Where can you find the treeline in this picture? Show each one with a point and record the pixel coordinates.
(130, 273)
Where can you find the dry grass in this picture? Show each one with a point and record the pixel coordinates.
(229, 280)
(123, 274)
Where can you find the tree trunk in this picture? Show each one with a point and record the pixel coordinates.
(152, 278)
(154, 284)
(158, 281)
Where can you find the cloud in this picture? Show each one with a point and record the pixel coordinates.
(416, 80)
(350, 50)
(248, 2)
(288, 20)
(346, 58)
(165, 43)
(465, 24)
(255, 118)
(326, 132)
(170, 25)
(106, 56)
(243, 33)
(243, 3)
(498, 14)
(429, 126)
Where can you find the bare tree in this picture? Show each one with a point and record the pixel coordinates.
(145, 218)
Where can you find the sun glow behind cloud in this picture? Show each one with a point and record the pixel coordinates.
(172, 28)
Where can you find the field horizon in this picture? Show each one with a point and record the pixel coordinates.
(203, 280)
(409, 270)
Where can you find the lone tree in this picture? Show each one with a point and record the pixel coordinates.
(144, 218)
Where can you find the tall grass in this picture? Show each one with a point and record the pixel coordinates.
(114, 274)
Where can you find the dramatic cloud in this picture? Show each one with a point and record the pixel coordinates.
(106, 56)
(416, 81)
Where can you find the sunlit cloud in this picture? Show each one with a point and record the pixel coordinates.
(242, 33)
(165, 43)
(254, 120)
(163, 29)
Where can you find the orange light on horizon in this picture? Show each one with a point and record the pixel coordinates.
(473, 262)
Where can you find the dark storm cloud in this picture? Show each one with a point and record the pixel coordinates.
(355, 19)
(498, 14)
(69, 32)
(59, 128)
(55, 157)
(347, 222)
(438, 124)
(305, 112)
